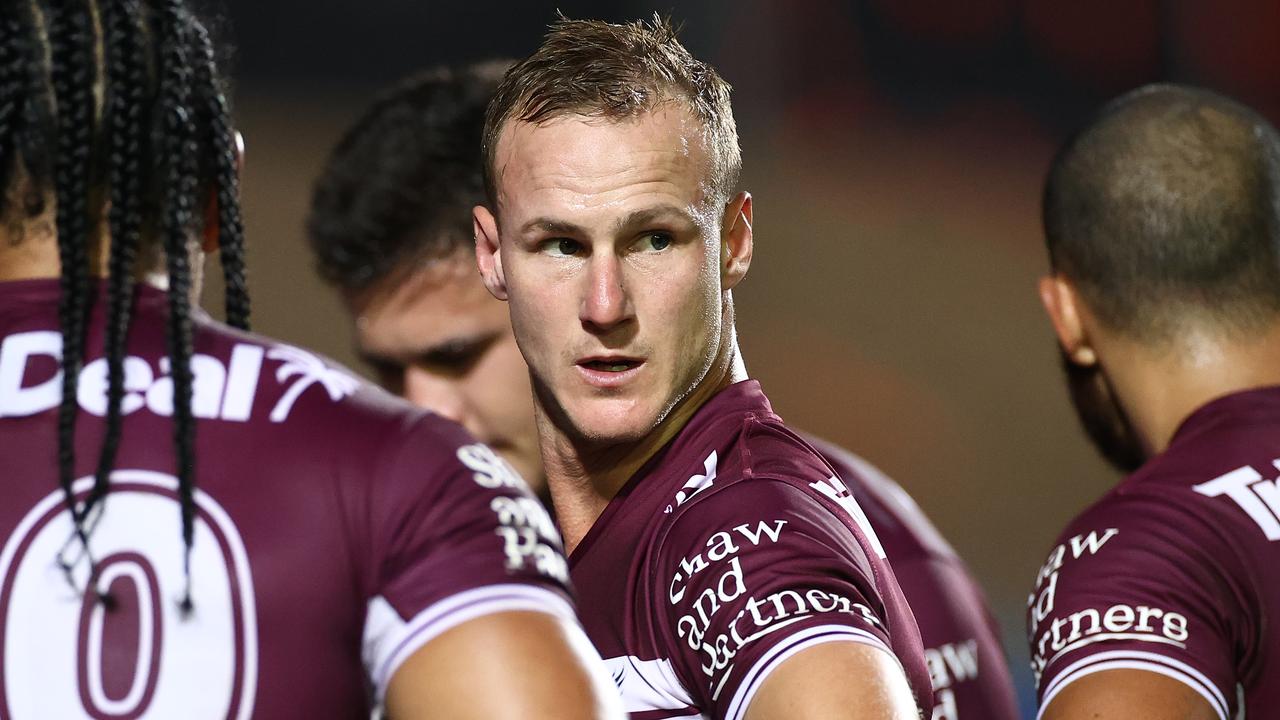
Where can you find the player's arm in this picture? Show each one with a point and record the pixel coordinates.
(849, 681)
(469, 612)
(514, 665)
(1128, 695)
(1135, 615)
(771, 610)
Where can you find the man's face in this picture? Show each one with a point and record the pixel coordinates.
(1104, 420)
(441, 341)
(609, 252)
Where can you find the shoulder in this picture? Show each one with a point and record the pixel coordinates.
(1140, 578)
(902, 525)
(271, 384)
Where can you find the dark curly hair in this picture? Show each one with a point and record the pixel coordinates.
(400, 185)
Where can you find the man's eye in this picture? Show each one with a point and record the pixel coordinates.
(562, 247)
(390, 375)
(455, 362)
(655, 242)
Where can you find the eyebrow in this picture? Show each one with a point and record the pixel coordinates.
(631, 220)
(434, 353)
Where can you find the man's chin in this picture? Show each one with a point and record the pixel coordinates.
(607, 421)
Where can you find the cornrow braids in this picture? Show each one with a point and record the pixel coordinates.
(181, 184)
(72, 75)
(222, 147)
(164, 128)
(12, 89)
(126, 66)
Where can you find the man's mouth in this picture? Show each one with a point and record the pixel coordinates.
(609, 372)
(610, 364)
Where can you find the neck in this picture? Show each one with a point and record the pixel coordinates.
(1159, 387)
(29, 250)
(584, 476)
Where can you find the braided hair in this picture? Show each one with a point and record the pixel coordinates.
(157, 140)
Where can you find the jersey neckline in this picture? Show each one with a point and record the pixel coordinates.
(744, 396)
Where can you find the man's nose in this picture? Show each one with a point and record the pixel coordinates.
(606, 303)
(441, 395)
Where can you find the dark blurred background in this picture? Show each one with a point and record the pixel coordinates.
(895, 149)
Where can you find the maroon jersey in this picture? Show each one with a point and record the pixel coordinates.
(1175, 570)
(731, 550)
(961, 639)
(337, 531)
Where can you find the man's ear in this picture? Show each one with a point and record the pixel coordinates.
(736, 241)
(1062, 302)
(488, 251)
(209, 239)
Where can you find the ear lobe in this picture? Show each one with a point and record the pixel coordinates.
(736, 240)
(488, 251)
(1062, 303)
(212, 224)
(209, 241)
(239, 139)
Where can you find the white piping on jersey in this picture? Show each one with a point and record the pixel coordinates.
(724, 677)
(1143, 637)
(1137, 660)
(647, 685)
(389, 640)
(803, 640)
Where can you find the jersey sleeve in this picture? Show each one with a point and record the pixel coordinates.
(962, 647)
(752, 575)
(1137, 583)
(456, 535)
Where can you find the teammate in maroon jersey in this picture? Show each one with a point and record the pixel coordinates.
(723, 568)
(1161, 600)
(390, 226)
(242, 529)
(387, 229)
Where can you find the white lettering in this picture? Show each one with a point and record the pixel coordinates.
(721, 546)
(952, 663)
(1092, 542)
(92, 389)
(1044, 604)
(529, 536)
(1259, 498)
(15, 352)
(1119, 618)
(242, 382)
(491, 471)
(144, 388)
(761, 529)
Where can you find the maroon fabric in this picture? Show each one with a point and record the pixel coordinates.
(961, 638)
(735, 546)
(323, 501)
(1174, 570)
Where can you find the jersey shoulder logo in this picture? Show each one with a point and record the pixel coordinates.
(65, 655)
(1257, 496)
(834, 489)
(697, 483)
(309, 370)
